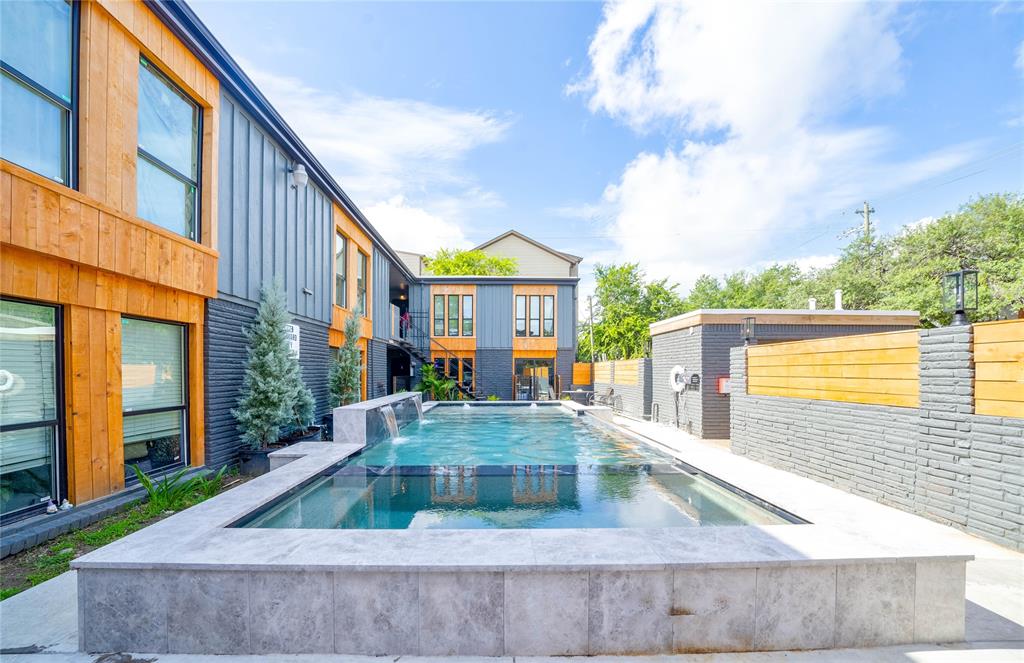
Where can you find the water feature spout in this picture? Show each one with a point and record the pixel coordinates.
(419, 407)
(466, 405)
(533, 405)
(390, 422)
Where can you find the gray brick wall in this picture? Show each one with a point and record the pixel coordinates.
(939, 460)
(705, 350)
(564, 358)
(494, 373)
(633, 400)
(224, 359)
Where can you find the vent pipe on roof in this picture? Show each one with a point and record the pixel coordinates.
(812, 303)
(839, 300)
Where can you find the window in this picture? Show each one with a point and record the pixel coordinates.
(453, 368)
(438, 315)
(30, 409)
(37, 44)
(467, 315)
(361, 284)
(549, 315)
(453, 315)
(534, 315)
(341, 270)
(168, 166)
(467, 373)
(153, 379)
(520, 315)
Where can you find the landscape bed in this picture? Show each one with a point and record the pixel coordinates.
(196, 584)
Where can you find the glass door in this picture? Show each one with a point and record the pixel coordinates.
(30, 406)
(534, 379)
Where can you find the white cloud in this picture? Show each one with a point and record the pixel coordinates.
(399, 159)
(1019, 62)
(757, 89)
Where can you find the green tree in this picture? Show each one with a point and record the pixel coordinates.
(625, 304)
(268, 392)
(347, 368)
(457, 262)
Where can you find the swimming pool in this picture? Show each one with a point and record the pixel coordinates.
(510, 467)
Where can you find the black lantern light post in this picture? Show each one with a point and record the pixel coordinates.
(960, 294)
(747, 330)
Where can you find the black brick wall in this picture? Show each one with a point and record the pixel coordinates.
(494, 373)
(377, 369)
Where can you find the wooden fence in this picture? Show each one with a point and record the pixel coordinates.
(581, 373)
(620, 371)
(999, 368)
(879, 369)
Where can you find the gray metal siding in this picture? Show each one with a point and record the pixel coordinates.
(419, 309)
(494, 316)
(377, 369)
(267, 227)
(380, 306)
(566, 322)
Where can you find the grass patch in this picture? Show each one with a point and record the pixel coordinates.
(48, 560)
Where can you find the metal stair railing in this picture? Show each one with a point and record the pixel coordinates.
(407, 340)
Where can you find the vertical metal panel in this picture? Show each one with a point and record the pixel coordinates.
(381, 295)
(268, 228)
(419, 308)
(566, 322)
(494, 316)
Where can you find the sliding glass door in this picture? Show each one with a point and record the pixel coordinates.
(30, 406)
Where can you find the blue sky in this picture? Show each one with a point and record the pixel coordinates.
(690, 137)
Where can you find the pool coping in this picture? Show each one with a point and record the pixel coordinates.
(199, 539)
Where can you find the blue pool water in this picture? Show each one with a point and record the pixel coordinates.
(510, 467)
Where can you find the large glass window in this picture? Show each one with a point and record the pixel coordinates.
(534, 315)
(168, 165)
(467, 315)
(438, 315)
(341, 270)
(36, 56)
(453, 315)
(520, 315)
(29, 405)
(361, 278)
(154, 394)
(549, 315)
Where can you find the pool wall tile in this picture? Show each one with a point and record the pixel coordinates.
(874, 605)
(628, 612)
(939, 606)
(376, 613)
(208, 612)
(577, 549)
(122, 611)
(713, 610)
(546, 613)
(462, 614)
(795, 608)
(292, 613)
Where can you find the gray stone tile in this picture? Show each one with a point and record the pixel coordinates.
(122, 610)
(874, 605)
(546, 613)
(713, 610)
(208, 612)
(795, 607)
(629, 612)
(577, 549)
(376, 613)
(939, 605)
(462, 614)
(291, 613)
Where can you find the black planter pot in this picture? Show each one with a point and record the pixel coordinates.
(254, 462)
(312, 435)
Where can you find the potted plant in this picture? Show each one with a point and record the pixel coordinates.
(346, 370)
(435, 386)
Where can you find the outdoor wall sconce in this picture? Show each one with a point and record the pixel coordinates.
(960, 294)
(299, 175)
(747, 330)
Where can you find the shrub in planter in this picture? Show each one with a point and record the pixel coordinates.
(347, 367)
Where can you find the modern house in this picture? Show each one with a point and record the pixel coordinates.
(148, 190)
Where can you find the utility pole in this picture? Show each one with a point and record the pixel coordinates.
(866, 212)
(590, 303)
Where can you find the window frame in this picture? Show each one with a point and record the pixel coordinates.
(525, 316)
(185, 408)
(454, 317)
(70, 151)
(544, 318)
(533, 315)
(59, 474)
(465, 319)
(342, 291)
(141, 153)
(362, 275)
(439, 317)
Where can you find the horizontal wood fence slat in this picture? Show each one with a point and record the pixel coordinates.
(603, 372)
(581, 373)
(999, 368)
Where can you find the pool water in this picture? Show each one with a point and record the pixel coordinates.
(510, 467)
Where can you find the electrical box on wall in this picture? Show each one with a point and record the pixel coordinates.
(724, 386)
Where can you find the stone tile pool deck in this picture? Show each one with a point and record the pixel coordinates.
(190, 585)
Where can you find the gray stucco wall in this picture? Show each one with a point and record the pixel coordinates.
(705, 351)
(938, 460)
(633, 400)
(224, 358)
(494, 373)
(494, 316)
(265, 226)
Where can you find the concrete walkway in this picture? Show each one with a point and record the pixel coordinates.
(41, 624)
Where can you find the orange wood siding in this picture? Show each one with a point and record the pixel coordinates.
(534, 346)
(999, 368)
(880, 369)
(358, 241)
(456, 344)
(581, 373)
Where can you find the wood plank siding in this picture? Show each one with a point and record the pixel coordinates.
(999, 368)
(879, 369)
(87, 251)
(581, 373)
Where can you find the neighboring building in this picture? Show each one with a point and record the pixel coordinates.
(699, 343)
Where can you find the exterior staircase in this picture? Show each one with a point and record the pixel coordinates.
(419, 345)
